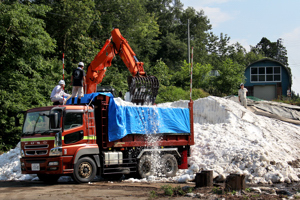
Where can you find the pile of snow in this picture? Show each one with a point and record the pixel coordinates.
(228, 139)
(232, 139)
(10, 166)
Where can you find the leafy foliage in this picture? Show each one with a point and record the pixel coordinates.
(231, 75)
(25, 80)
(176, 191)
(274, 50)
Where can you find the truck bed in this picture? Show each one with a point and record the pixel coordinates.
(135, 132)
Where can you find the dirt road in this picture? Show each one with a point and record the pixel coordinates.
(105, 190)
(70, 191)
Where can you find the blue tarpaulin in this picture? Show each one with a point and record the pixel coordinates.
(124, 120)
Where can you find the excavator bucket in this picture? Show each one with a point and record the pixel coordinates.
(143, 89)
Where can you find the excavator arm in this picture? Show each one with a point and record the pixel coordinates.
(143, 89)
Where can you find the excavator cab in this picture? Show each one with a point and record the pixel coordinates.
(143, 88)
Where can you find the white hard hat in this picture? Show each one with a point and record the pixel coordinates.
(61, 82)
(241, 84)
(81, 64)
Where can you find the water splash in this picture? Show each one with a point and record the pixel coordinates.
(153, 140)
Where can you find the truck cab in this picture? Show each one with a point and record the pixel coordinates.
(52, 135)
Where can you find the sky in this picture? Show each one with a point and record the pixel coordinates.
(248, 21)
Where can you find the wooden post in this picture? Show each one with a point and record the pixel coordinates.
(204, 179)
(235, 182)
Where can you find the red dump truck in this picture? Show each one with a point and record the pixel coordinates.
(76, 140)
(98, 137)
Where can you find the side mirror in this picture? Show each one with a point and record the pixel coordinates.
(54, 121)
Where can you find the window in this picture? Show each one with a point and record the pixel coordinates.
(36, 121)
(72, 120)
(265, 74)
(73, 137)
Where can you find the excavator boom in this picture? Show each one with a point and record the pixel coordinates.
(143, 89)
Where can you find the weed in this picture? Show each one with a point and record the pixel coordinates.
(293, 101)
(168, 190)
(245, 197)
(255, 195)
(153, 195)
(176, 191)
(179, 191)
(248, 190)
(217, 190)
(189, 190)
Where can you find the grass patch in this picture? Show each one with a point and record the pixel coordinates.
(217, 190)
(168, 190)
(255, 195)
(287, 100)
(153, 195)
(176, 191)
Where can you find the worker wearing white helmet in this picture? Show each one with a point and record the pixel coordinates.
(58, 96)
(78, 81)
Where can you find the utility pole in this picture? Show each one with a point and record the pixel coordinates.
(189, 57)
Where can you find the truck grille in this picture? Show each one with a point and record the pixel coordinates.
(36, 152)
(37, 146)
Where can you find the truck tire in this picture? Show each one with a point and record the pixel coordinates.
(48, 178)
(169, 165)
(145, 167)
(85, 170)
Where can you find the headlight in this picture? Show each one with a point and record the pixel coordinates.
(53, 163)
(56, 151)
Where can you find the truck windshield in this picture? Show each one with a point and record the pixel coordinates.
(36, 122)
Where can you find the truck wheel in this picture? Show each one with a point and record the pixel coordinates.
(169, 165)
(145, 166)
(85, 170)
(48, 178)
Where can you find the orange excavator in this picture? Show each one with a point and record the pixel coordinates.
(143, 89)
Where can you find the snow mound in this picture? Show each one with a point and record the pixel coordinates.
(231, 139)
(10, 166)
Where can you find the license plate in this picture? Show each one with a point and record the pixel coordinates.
(35, 167)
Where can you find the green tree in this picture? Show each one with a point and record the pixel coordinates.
(161, 72)
(137, 26)
(74, 25)
(274, 50)
(231, 75)
(26, 78)
(201, 76)
(173, 20)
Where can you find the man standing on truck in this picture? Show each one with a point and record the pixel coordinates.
(243, 95)
(58, 95)
(78, 81)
